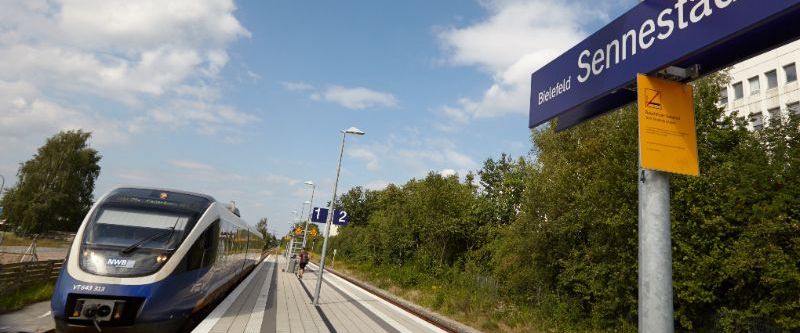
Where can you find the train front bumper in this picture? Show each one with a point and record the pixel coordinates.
(172, 325)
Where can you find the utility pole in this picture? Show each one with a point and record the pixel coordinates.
(351, 130)
(310, 209)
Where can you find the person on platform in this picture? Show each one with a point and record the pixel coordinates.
(303, 258)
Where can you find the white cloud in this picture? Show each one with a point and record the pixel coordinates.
(377, 185)
(422, 158)
(419, 156)
(458, 159)
(253, 76)
(205, 118)
(365, 155)
(26, 118)
(297, 86)
(128, 48)
(357, 98)
(447, 172)
(57, 56)
(192, 165)
(304, 194)
(457, 114)
(517, 38)
(279, 179)
(119, 23)
(136, 176)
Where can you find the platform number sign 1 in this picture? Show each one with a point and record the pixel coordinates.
(319, 215)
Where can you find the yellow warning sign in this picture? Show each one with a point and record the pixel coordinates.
(667, 134)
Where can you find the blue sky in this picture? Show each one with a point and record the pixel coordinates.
(245, 100)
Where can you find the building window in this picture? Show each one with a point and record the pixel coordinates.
(772, 79)
(738, 91)
(723, 96)
(774, 115)
(757, 120)
(754, 85)
(793, 108)
(791, 72)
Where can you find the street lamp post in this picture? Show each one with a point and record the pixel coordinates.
(291, 239)
(351, 130)
(2, 185)
(310, 208)
(302, 212)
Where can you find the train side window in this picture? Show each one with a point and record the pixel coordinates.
(203, 251)
(210, 246)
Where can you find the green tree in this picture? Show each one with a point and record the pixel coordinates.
(736, 227)
(261, 226)
(575, 238)
(498, 201)
(359, 203)
(559, 232)
(54, 188)
(269, 239)
(502, 183)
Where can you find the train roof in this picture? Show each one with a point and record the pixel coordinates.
(206, 196)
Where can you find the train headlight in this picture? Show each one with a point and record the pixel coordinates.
(161, 258)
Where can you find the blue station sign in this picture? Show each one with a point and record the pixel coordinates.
(320, 215)
(596, 75)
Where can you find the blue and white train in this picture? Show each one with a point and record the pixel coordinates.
(151, 260)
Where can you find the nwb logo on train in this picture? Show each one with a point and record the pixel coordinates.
(120, 262)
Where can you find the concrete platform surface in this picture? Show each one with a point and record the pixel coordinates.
(277, 301)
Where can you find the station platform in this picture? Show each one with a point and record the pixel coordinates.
(272, 300)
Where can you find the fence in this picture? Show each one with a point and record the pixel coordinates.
(20, 275)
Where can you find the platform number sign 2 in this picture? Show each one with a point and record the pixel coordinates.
(340, 217)
(320, 215)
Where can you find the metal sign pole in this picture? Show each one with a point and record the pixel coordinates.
(310, 211)
(655, 253)
(328, 225)
(656, 313)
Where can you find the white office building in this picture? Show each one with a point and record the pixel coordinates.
(764, 87)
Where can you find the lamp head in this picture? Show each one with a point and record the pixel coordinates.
(353, 130)
(308, 182)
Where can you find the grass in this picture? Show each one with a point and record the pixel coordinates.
(470, 300)
(27, 295)
(10, 239)
(474, 305)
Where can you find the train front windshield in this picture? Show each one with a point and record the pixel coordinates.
(134, 232)
(126, 227)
